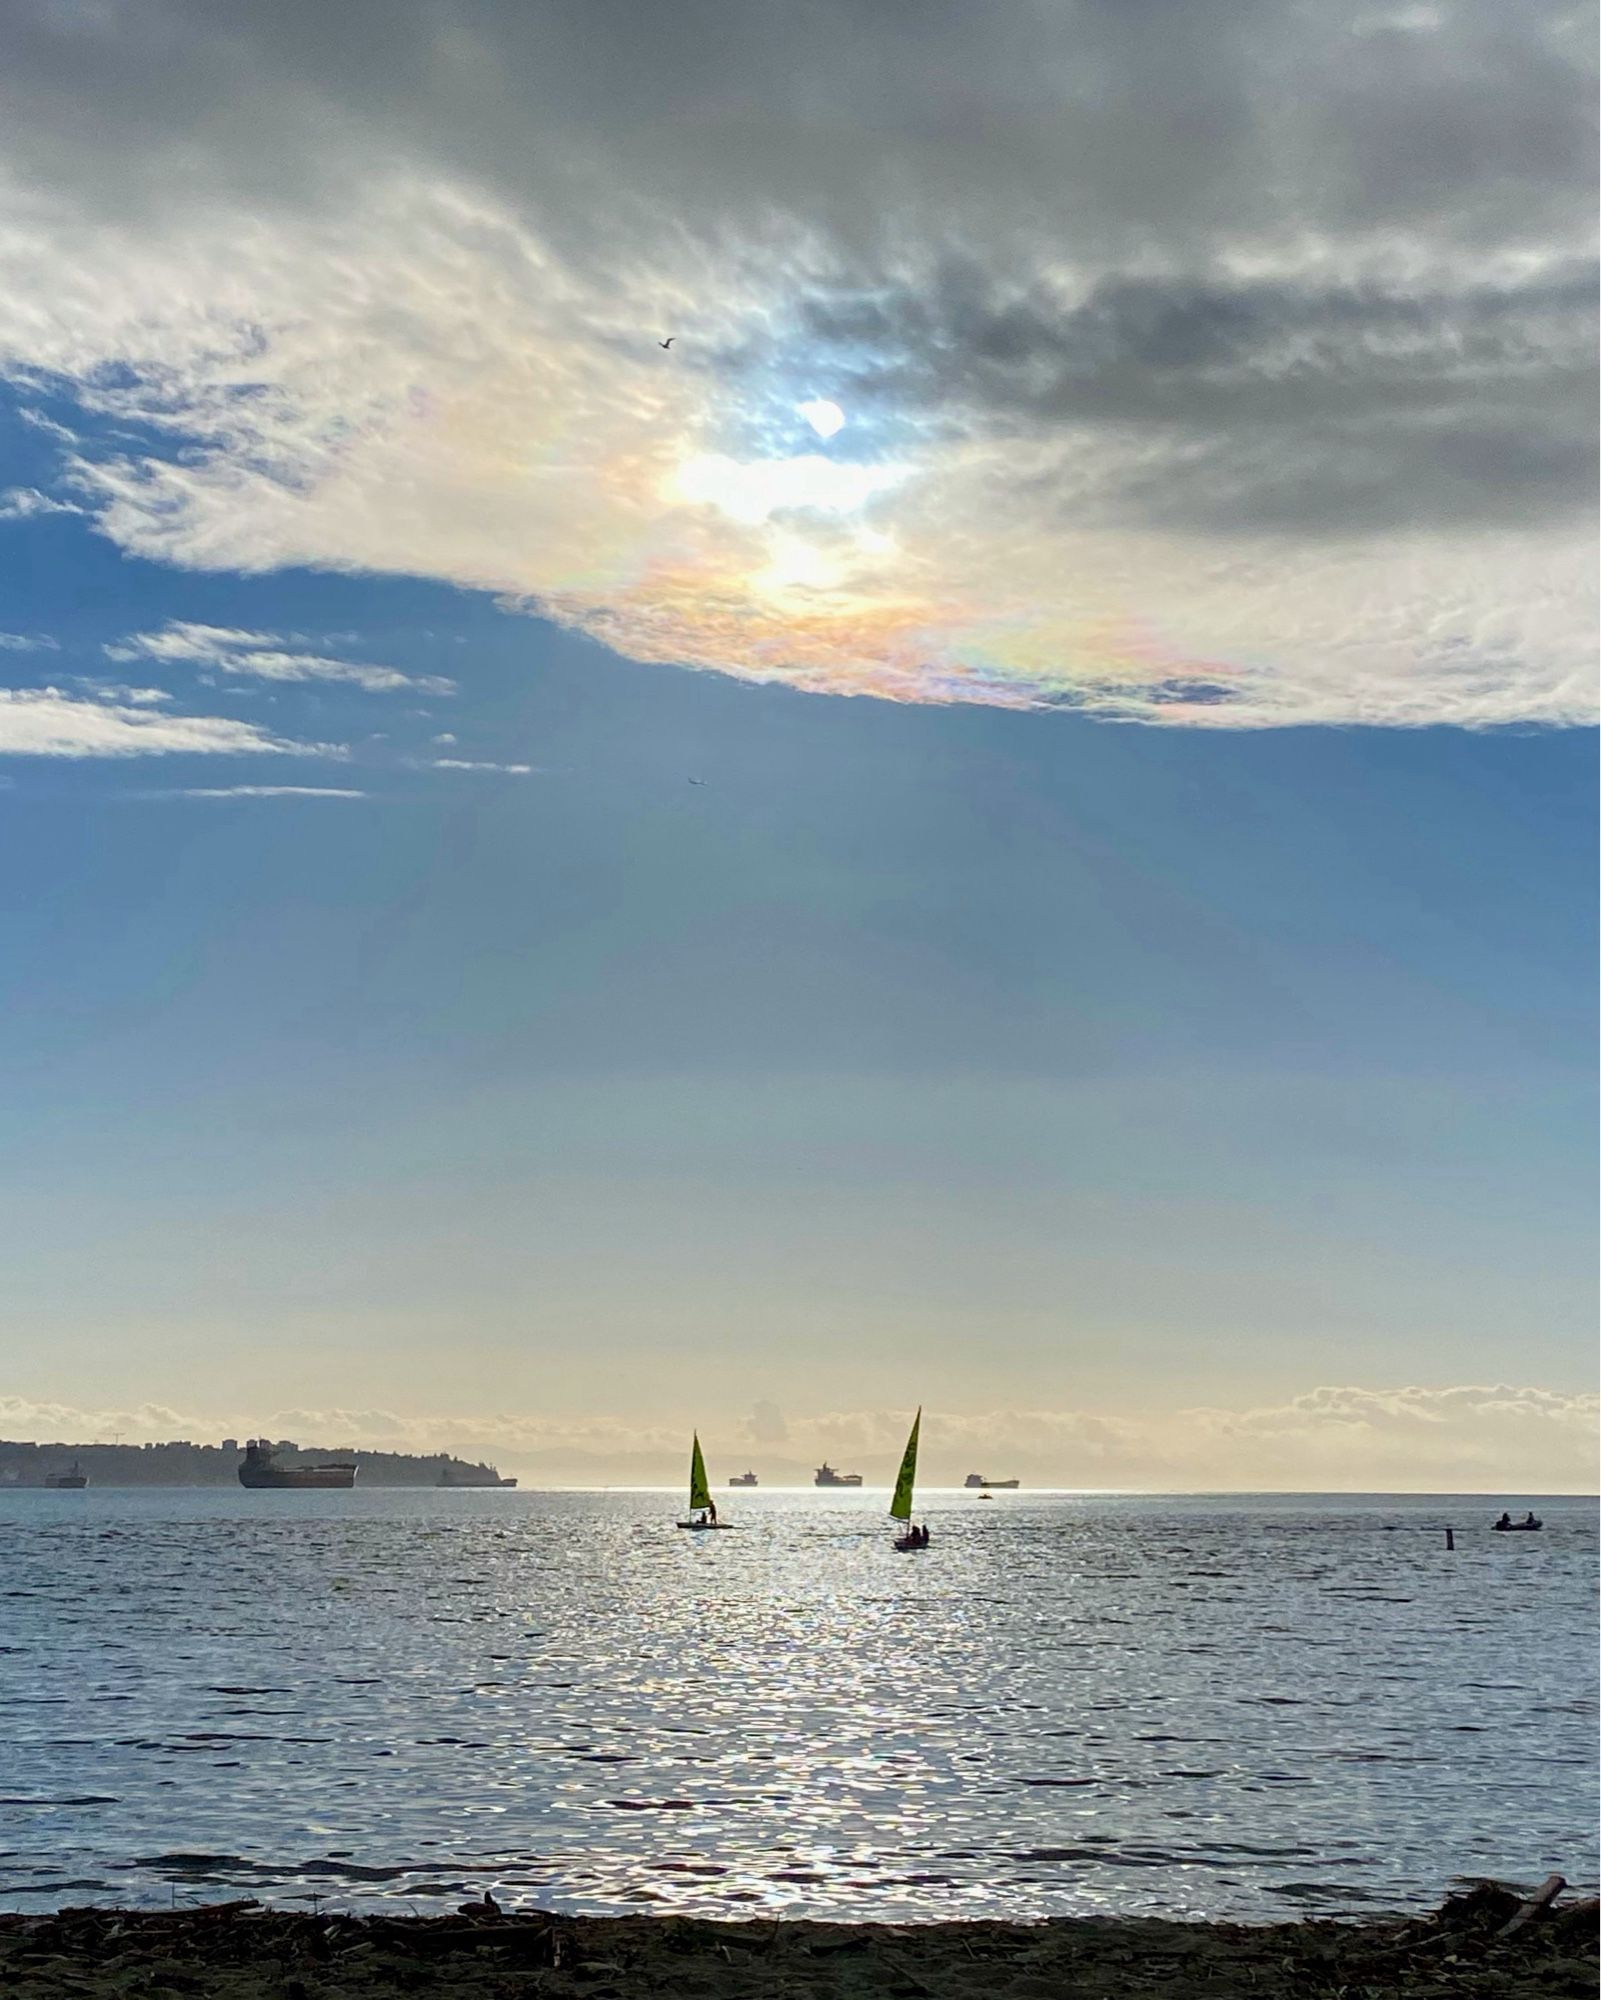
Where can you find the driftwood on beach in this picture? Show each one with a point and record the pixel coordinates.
(1491, 1941)
(1536, 1905)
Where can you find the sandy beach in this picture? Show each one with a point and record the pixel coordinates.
(240, 1951)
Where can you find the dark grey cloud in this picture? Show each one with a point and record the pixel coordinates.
(1266, 405)
(1105, 128)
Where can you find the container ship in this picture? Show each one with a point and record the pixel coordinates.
(1000, 1485)
(825, 1475)
(743, 1479)
(260, 1468)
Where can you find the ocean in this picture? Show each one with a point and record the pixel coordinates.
(1246, 1707)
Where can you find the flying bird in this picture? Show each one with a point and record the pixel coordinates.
(697, 781)
(668, 341)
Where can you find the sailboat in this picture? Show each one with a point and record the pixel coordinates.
(702, 1507)
(900, 1506)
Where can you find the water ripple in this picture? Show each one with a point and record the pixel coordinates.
(1169, 1706)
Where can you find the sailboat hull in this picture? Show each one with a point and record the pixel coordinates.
(705, 1527)
(905, 1547)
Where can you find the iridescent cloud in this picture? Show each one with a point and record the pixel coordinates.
(1080, 426)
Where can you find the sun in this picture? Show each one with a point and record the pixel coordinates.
(824, 417)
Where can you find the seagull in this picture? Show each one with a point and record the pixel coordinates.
(664, 344)
(697, 781)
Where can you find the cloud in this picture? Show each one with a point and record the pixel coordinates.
(1174, 391)
(260, 792)
(1440, 1439)
(1494, 1439)
(766, 1424)
(479, 764)
(1257, 404)
(262, 655)
(28, 642)
(203, 645)
(47, 722)
(37, 420)
(135, 697)
(24, 503)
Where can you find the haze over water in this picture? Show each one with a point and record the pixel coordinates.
(1210, 1706)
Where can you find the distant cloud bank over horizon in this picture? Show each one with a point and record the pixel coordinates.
(1174, 388)
(1472, 1438)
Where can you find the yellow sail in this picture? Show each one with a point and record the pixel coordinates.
(901, 1505)
(699, 1492)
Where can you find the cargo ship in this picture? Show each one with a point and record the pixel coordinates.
(825, 1475)
(743, 1479)
(1000, 1485)
(259, 1468)
(68, 1482)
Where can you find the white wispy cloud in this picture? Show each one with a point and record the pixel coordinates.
(134, 697)
(28, 642)
(263, 656)
(261, 792)
(37, 420)
(481, 764)
(24, 503)
(192, 644)
(49, 722)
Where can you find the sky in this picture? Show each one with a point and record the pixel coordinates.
(1007, 823)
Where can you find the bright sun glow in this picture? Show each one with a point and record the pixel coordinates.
(753, 490)
(798, 564)
(824, 417)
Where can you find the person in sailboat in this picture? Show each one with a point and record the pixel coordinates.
(900, 1506)
(702, 1507)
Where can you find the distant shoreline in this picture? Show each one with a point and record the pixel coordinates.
(420, 1474)
(26, 1464)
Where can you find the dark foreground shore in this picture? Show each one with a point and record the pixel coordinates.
(242, 1952)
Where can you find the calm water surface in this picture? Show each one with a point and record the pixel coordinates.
(1204, 1706)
